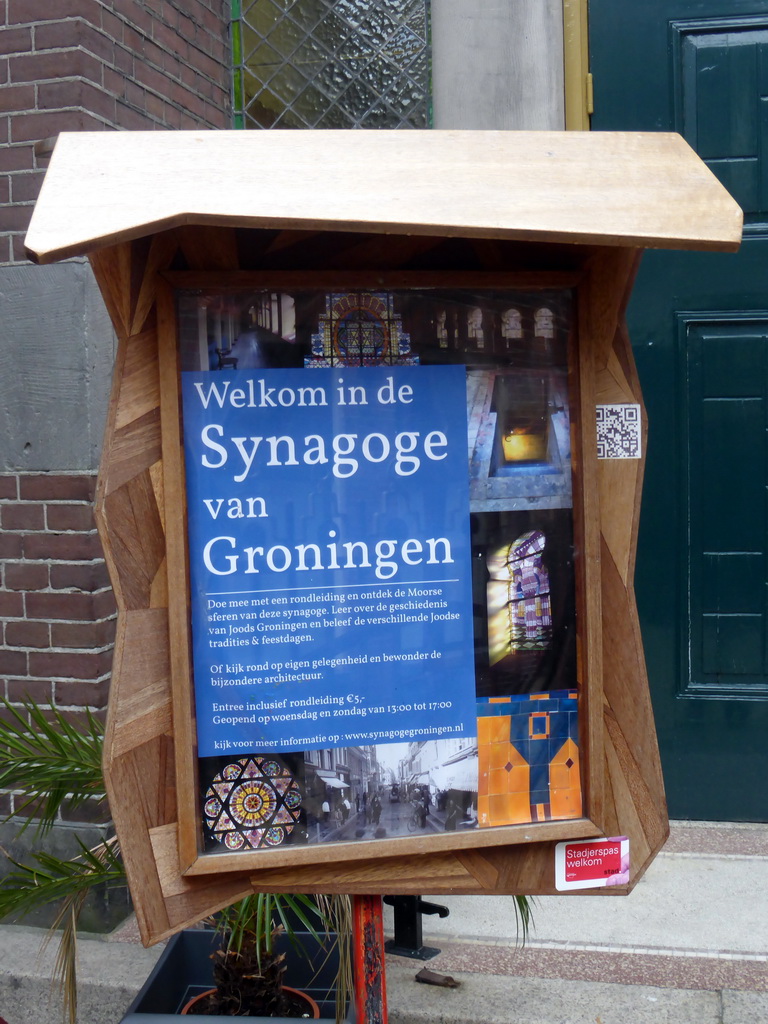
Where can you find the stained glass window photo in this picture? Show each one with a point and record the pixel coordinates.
(253, 802)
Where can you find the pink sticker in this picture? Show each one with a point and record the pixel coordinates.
(591, 863)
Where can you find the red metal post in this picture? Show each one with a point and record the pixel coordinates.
(370, 982)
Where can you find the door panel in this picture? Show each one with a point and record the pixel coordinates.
(699, 326)
(725, 450)
(720, 82)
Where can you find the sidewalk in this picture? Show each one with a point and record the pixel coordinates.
(689, 946)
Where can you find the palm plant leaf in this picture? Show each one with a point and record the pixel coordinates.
(254, 917)
(523, 917)
(57, 764)
(337, 912)
(49, 879)
(65, 965)
(303, 908)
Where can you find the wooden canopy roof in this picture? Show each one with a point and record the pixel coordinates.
(646, 190)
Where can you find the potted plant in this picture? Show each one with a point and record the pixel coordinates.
(251, 944)
(208, 963)
(249, 971)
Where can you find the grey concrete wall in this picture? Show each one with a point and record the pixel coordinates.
(104, 909)
(57, 347)
(498, 64)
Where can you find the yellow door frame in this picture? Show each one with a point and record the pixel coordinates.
(578, 80)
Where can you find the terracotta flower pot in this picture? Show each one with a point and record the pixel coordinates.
(313, 1010)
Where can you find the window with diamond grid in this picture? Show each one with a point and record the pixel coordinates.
(331, 63)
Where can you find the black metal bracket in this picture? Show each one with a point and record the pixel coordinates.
(407, 940)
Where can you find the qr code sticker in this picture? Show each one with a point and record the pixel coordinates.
(618, 431)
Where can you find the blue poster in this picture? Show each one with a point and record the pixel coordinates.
(329, 556)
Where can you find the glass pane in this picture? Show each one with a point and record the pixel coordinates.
(332, 80)
(355, 53)
(357, 100)
(286, 37)
(331, 31)
(309, 107)
(262, 16)
(263, 61)
(480, 724)
(287, 84)
(263, 110)
(306, 14)
(335, 117)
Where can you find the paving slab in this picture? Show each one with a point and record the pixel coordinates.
(745, 1007)
(109, 975)
(99, 961)
(496, 1000)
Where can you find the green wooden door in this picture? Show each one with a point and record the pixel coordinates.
(699, 326)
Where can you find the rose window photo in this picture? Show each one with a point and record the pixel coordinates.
(253, 802)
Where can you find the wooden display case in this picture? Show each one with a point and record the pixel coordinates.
(511, 254)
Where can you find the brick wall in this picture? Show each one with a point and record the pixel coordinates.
(57, 612)
(88, 65)
(79, 65)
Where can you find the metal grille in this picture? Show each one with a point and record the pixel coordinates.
(331, 63)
